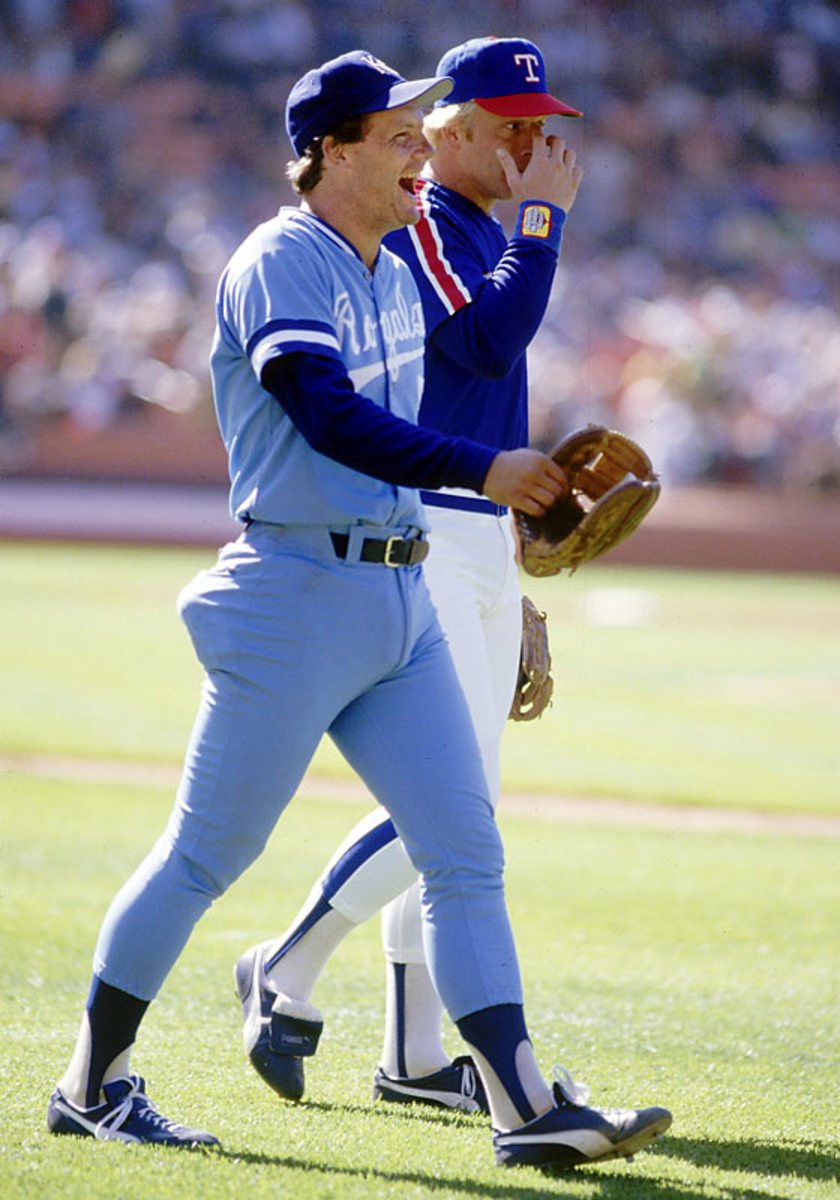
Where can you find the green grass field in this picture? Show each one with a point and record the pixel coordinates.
(728, 695)
(696, 970)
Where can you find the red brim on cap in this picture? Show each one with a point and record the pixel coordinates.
(526, 104)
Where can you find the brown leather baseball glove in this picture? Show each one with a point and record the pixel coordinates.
(612, 487)
(534, 686)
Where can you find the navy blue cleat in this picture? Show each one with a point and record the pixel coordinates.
(279, 1031)
(457, 1085)
(127, 1115)
(571, 1133)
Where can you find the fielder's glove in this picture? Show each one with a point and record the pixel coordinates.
(534, 685)
(612, 487)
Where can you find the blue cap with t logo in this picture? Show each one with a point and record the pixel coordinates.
(505, 76)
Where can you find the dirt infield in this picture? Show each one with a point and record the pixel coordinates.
(585, 810)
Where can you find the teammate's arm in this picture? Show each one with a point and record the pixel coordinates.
(318, 396)
(490, 333)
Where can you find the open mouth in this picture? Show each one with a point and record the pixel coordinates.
(407, 183)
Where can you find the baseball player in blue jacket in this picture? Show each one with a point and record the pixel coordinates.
(483, 297)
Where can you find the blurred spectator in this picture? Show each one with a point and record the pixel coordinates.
(697, 301)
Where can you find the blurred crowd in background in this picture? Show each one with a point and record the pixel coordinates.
(696, 306)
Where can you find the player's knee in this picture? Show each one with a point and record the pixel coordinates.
(477, 866)
(208, 873)
(481, 849)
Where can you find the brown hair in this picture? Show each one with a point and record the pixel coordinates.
(305, 172)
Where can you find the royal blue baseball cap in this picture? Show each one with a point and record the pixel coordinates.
(505, 76)
(347, 86)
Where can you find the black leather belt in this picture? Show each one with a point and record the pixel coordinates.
(392, 551)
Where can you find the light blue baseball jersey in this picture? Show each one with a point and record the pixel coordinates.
(295, 284)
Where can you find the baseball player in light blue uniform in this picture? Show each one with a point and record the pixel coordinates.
(483, 295)
(317, 372)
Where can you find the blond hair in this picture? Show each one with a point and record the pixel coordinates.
(448, 116)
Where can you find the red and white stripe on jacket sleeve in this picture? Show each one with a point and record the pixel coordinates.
(428, 246)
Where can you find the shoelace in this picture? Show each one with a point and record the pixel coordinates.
(574, 1093)
(116, 1118)
(107, 1128)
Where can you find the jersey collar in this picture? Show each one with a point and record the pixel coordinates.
(329, 231)
(453, 198)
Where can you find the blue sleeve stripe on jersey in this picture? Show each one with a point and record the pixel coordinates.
(291, 342)
(282, 325)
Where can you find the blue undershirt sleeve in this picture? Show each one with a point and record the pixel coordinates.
(337, 421)
(488, 335)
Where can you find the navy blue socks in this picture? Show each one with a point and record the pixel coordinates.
(113, 1017)
(496, 1033)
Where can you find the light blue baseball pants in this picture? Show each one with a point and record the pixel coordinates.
(295, 643)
